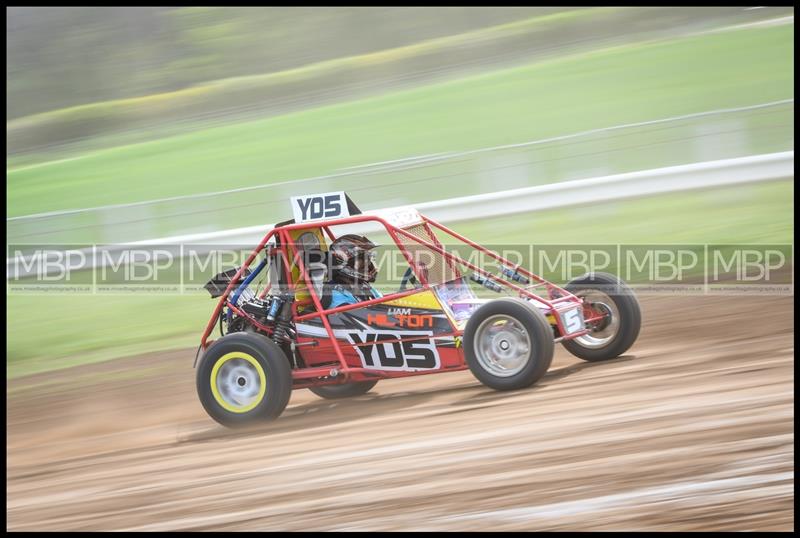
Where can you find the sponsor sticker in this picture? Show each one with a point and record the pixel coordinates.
(380, 350)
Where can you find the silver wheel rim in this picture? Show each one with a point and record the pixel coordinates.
(598, 339)
(502, 345)
(238, 383)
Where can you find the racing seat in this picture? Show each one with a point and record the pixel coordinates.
(314, 260)
(313, 248)
(317, 270)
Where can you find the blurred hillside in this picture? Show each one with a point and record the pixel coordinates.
(82, 74)
(100, 54)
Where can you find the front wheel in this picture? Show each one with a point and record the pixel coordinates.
(605, 296)
(508, 344)
(244, 377)
(345, 390)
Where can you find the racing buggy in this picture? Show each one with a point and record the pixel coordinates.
(276, 335)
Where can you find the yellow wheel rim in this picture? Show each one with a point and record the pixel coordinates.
(238, 382)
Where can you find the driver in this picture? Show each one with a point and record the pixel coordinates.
(352, 272)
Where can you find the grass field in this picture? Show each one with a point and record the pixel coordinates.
(48, 332)
(602, 88)
(585, 91)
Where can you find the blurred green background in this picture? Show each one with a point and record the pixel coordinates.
(115, 105)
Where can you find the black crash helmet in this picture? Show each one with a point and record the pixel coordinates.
(352, 259)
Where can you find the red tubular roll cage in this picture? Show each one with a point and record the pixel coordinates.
(557, 295)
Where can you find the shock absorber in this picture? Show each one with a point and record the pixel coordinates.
(512, 274)
(486, 282)
(274, 308)
(283, 322)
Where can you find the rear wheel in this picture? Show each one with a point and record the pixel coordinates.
(345, 390)
(508, 344)
(242, 378)
(605, 295)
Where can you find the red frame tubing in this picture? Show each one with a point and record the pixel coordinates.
(361, 304)
(305, 375)
(323, 314)
(313, 293)
(393, 231)
(234, 281)
(537, 278)
(549, 304)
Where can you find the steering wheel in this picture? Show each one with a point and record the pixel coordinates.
(408, 278)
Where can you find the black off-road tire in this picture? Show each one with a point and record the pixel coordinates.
(630, 316)
(345, 390)
(256, 355)
(536, 360)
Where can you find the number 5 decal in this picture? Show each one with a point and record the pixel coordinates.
(572, 320)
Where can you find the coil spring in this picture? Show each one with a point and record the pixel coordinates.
(282, 327)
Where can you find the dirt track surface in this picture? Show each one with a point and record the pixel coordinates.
(691, 430)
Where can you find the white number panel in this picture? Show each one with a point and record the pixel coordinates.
(572, 320)
(329, 205)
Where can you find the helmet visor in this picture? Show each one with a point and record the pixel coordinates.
(363, 264)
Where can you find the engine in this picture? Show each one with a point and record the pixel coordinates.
(273, 313)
